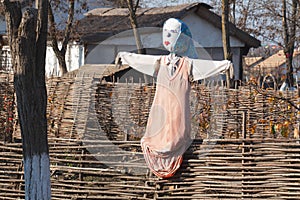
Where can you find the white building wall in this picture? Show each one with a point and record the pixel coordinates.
(106, 51)
(74, 59)
(206, 34)
(5, 61)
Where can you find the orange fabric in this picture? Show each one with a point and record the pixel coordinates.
(168, 129)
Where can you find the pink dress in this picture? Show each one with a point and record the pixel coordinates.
(169, 125)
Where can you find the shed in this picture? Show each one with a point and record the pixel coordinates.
(276, 64)
(106, 31)
(248, 63)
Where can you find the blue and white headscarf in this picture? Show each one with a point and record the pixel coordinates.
(177, 38)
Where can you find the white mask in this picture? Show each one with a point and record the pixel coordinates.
(171, 32)
(177, 38)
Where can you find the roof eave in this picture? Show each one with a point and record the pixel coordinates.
(216, 20)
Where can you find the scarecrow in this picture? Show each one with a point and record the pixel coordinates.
(168, 130)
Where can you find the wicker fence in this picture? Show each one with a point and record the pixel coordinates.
(7, 107)
(246, 144)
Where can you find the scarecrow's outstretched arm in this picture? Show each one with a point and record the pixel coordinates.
(202, 69)
(146, 64)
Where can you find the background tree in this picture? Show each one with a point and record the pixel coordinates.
(226, 37)
(61, 52)
(132, 8)
(289, 36)
(273, 22)
(27, 39)
(278, 25)
(60, 32)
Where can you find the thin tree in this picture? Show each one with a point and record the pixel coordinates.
(60, 52)
(133, 21)
(289, 37)
(27, 34)
(225, 36)
(132, 7)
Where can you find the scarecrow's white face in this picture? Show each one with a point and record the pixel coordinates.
(171, 33)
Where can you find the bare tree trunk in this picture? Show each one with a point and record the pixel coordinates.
(37, 4)
(133, 21)
(61, 53)
(61, 57)
(233, 11)
(134, 25)
(289, 38)
(225, 36)
(28, 36)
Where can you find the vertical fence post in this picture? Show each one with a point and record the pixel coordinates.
(6, 100)
(81, 165)
(244, 124)
(244, 135)
(127, 112)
